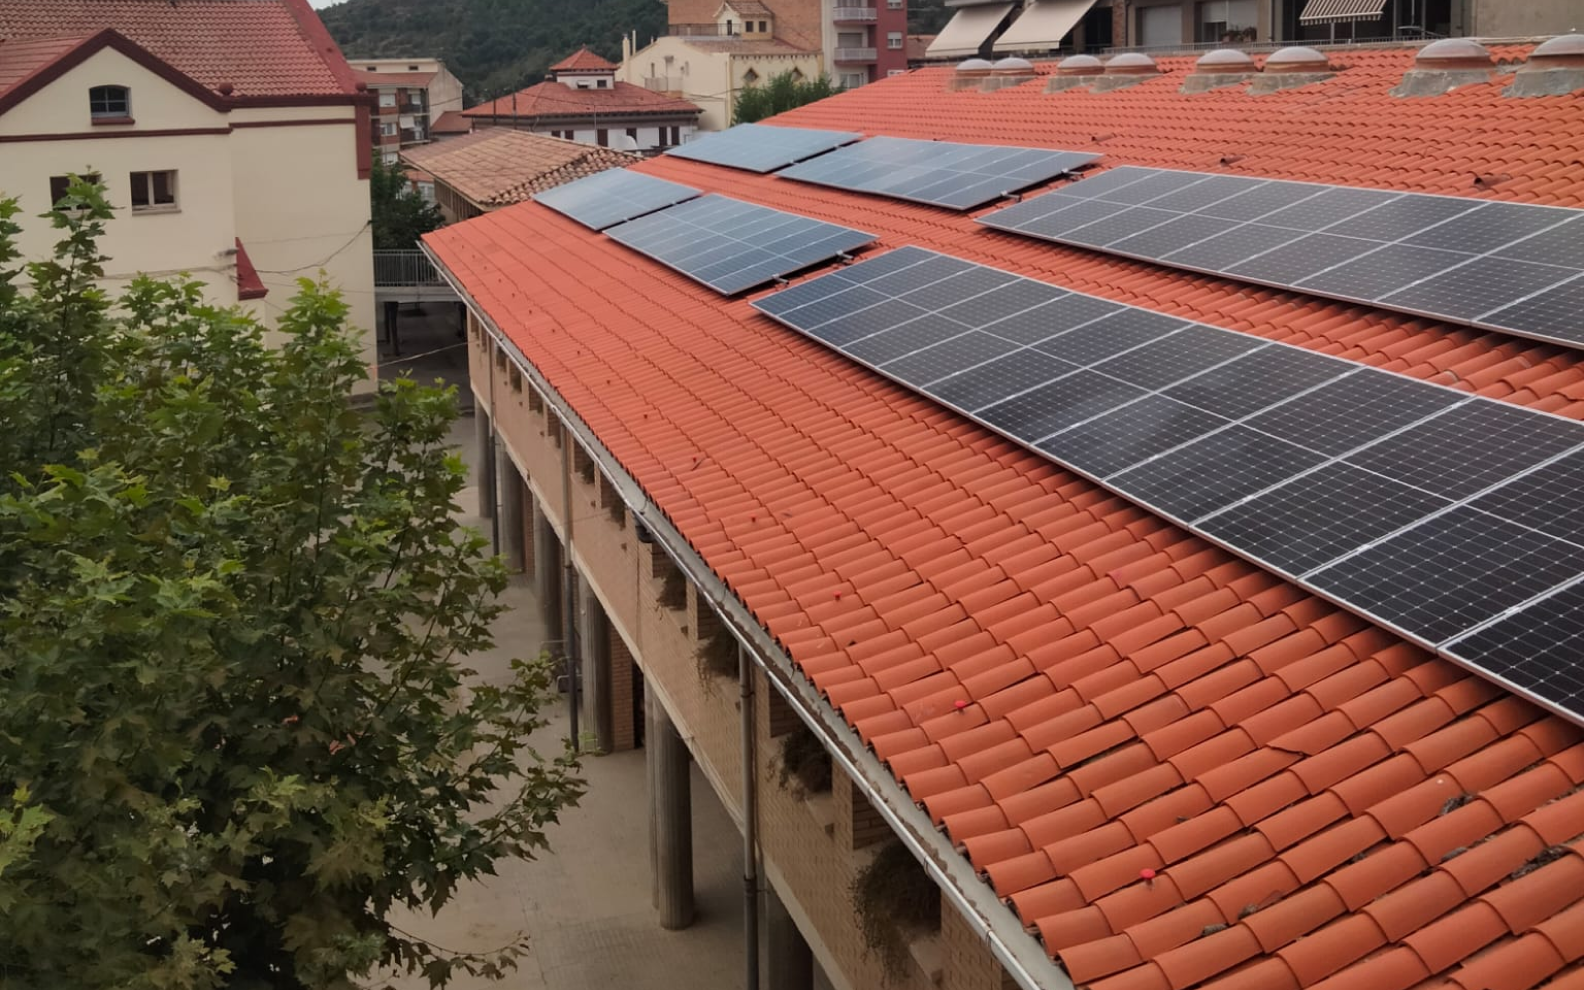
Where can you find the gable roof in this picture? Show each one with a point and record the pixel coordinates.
(1319, 803)
(451, 122)
(29, 66)
(269, 51)
(499, 166)
(583, 60)
(558, 100)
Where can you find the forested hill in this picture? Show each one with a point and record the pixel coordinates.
(494, 46)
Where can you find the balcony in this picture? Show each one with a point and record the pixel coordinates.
(664, 84)
(856, 56)
(853, 15)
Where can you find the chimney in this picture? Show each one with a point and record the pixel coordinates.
(1289, 68)
(1554, 68)
(1442, 66)
(1127, 69)
(1009, 71)
(1074, 71)
(971, 73)
(1222, 67)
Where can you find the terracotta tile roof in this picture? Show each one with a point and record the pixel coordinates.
(691, 11)
(263, 48)
(750, 8)
(499, 166)
(19, 60)
(1181, 770)
(583, 60)
(918, 46)
(408, 80)
(451, 122)
(557, 100)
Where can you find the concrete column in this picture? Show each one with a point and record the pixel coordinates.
(511, 509)
(484, 462)
(650, 749)
(594, 637)
(670, 786)
(547, 577)
(789, 963)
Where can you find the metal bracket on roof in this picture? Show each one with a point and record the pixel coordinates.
(781, 282)
(1015, 197)
(845, 258)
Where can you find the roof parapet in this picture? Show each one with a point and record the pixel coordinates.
(1554, 68)
(1442, 66)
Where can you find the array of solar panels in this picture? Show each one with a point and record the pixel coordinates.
(1456, 520)
(760, 147)
(939, 173)
(730, 245)
(610, 197)
(1502, 266)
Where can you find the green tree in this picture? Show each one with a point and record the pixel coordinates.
(236, 727)
(400, 216)
(783, 92)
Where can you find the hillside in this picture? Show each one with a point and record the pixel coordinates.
(927, 16)
(493, 46)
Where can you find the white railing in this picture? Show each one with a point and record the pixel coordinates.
(854, 14)
(856, 54)
(399, 268)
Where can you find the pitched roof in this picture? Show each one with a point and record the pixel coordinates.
(918, 46)
(266, 49)
(451, 122)
(554, 100)
(1322, 803)
(249, 285)
(498, 166)
(404, 79)
(583, 60)
(749, 8)
(21, 60)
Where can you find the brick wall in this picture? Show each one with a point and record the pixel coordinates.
(968, 963)
(816, 861)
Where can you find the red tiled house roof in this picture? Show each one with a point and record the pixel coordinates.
(20, 60)
(583, 60)
(499, 166)
(552, 100)
(267, 50)
(451, 122)
(1323, 804)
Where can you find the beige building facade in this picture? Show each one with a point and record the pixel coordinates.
(712, 72)
(245, 195)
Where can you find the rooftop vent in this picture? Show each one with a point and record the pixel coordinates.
(1009, 71)
(1554, 68)
(1291, 67)
(971, 73)
(1222, 67)
(1442, 66)
(1127, 69)
(1075, 70)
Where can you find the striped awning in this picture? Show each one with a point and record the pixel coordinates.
(967, 30)
(1042, 25)
(1333, 11)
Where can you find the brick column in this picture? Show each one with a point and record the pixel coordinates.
(511, 510)
(790, 963)
(594, 636)
(547, 578)
(484, 461)
(670, 787)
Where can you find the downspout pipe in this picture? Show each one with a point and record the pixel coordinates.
(1021, 956)
(569, 636)
(750, 806)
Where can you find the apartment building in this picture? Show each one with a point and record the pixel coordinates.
(410, 96)
(993, 28)
(1125, 751)
(231, 137)
(584, 101)
(713, 49)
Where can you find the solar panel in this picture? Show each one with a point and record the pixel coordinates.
(1510, 267)
(761, 147)
(940, 173)
(1427, 509)
(612, 196)
(731, 246)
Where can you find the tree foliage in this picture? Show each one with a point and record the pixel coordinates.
(928, 16)
(400, 216)
(493, 46)
(784, 91)
(236, 729)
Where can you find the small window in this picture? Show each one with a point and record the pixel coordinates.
(388, 129)
(894, 39)
(894, 4)
(387, 99)
(602, 136)
(412, 68)
(750, 77)
(632, 132)
(601, 84)
(153, 191)
(764, 26)
(730, 29)
(59, 184)
(373, 68)
(109, 102)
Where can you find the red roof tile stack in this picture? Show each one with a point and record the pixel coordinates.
(1179, 769)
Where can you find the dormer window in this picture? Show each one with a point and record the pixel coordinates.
(106, 103)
